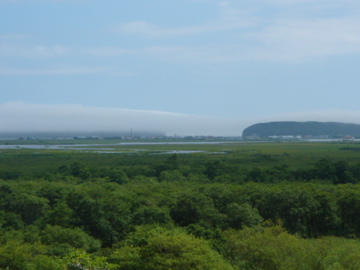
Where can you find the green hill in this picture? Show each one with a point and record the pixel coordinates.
(331, 129)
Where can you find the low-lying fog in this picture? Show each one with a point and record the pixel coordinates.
(23, 117)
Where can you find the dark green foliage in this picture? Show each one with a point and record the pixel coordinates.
(60, 214)
(79, 170)
(257, 175)
(118, 176)
(215, 168)
(52, 193)
(325, 169)
(239, 216)
(29, 207)
(9, 175)
(172, 162)
(150, 215)
(339, 172)
(193, 208)
(89, 214)
(10, 221)
(171, 176)
(349, 207)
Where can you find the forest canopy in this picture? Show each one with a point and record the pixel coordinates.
(253, 206)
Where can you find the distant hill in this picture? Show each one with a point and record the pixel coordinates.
(331, 129)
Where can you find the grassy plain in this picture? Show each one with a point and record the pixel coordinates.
(113, 153)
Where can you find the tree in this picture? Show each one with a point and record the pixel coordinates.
(268, 248)
(80, 260)
(172, 162)
(171, 176)
(215, 168)
(75, 238)
(343, 173)
(29, 207)
(164, 249)
(324, 169)
(193, 208)
(79, 170)
(118, 176)
(61, 214)
(150, 215)
(257, 175)
(242, 215)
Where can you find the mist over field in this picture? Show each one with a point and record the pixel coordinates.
(20, 117)
(26, 117)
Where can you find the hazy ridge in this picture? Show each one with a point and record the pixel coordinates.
(311, 128)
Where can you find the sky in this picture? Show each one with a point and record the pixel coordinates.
(186, 67)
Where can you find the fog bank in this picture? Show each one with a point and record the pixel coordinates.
(22, 117)
(26, 117)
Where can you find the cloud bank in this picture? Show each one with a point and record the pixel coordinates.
(18, 116)
(23, 117)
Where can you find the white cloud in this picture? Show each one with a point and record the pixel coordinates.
(230, 18)
(107, 51)
(70, 70)
(155, 31)
(240, 32)
(286, 34)
(304, 39)
(34, 51)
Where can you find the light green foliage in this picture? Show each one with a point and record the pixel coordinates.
(79, 259)
(169, 249)
(272, 248)
(75, 238)
(44, 262)
(15, 255)
(336, 253)
(267, 249)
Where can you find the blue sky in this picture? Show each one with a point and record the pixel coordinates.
(182, 66)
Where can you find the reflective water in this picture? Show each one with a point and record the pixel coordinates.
(110, 148)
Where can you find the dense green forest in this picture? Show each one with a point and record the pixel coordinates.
(223, 206)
